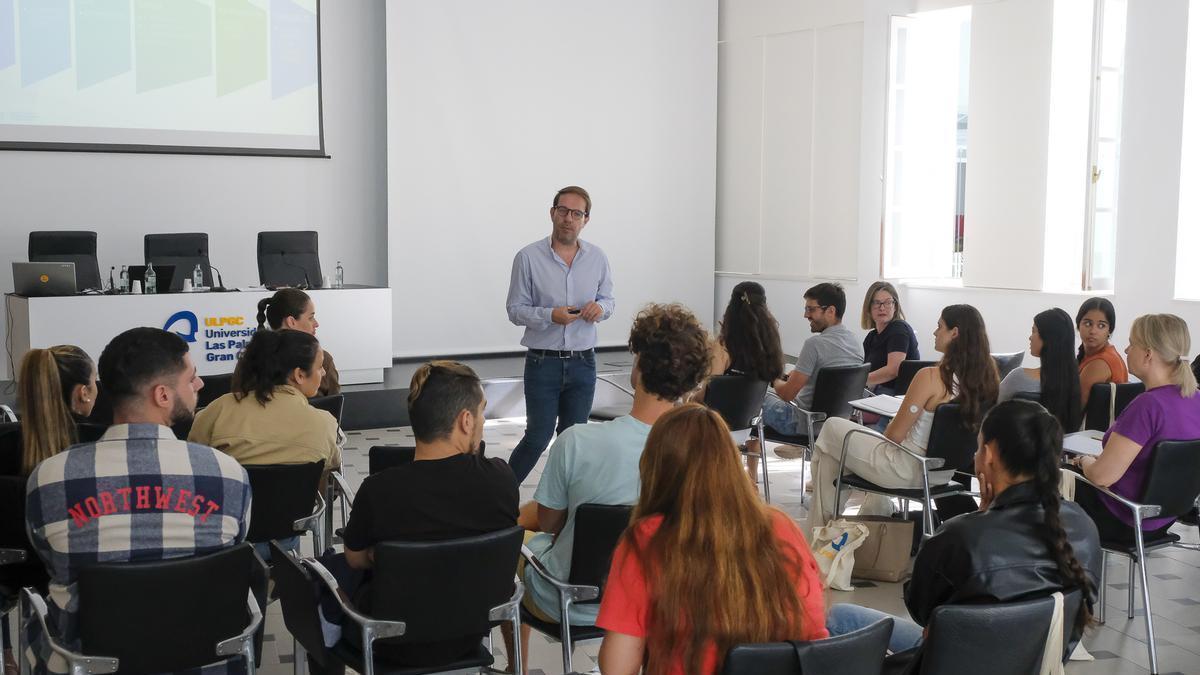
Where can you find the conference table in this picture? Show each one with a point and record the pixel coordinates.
(355, 325)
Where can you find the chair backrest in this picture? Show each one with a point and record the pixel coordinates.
(836, 386)
(284, 258)
(12, 514)
(10, 449)
(294, 587)
(383, 457)
(908, 370)
(282, 494)
(736, 398)
(215, 386)
(959, 635)
(1173, 481)
(172, 613)
(183, 250)
(445, 589)
(859, 653)
(71, 246)
(332, 404)
(951, 440)
(1006, 363)
(1099, 399)
(598, 528)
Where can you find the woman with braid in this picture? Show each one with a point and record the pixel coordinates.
(291, 308)
(1025, 541)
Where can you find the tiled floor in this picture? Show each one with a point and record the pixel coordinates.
(1118, 646)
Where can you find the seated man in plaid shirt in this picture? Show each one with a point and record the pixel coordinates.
(138, 494)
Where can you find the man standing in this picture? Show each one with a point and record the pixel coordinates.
(561, 287)
(138, 494)
(833, 345)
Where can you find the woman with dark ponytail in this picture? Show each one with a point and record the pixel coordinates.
(1056, 379)
(57, 389)
(1024, 541)
(266, 418)
(293, 309)
(1099, 360)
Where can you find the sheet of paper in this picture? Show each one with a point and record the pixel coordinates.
(887, 406)
(1083, 442)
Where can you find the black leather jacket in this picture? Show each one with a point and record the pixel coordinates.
(998, 555)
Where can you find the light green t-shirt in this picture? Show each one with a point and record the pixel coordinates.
(588, 464)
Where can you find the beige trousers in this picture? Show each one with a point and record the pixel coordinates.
(866, 457)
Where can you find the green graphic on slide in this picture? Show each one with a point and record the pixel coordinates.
(241, 45)
(174, 42)
(102, 40)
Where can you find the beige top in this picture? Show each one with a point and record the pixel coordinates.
(287, 430)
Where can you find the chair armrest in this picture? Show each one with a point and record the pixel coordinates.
(380, 627)
(1139, 510)
(576, 593)
(624, 389)
(312, 520)
(12, 556)
(344, 487)
(236, 645)
(929, 463)
(511, 609)
(813, 417)
(78, 662)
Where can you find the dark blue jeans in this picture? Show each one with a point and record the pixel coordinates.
(558, 393)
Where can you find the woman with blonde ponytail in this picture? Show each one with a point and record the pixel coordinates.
(1168, 410)
(704, 565)
(56, 387)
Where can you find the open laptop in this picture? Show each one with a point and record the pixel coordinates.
(162, 276)
(40, 279)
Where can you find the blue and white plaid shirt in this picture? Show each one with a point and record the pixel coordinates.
(137, 494)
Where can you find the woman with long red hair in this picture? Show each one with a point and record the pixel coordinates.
(704, 565)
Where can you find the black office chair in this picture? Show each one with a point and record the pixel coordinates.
(183, 250)
(1172, 486)
(963, 638)
(908, 370)
(10, 449)
(215, 386)
(1106, 401)
(598, 528)
(951, 448)
(466, 587)
(288, 259)
(739, 400)
(332, 404)
(209, 595)
(858, 653)
(1006, 363)
(20, 565)
(286, 502)
(384, 457)
(71, 246)
(833, 390)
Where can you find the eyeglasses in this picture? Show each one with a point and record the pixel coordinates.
(883, 303)
(813, 309)
(563, 212)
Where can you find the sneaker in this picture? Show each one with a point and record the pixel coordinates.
(791, 451)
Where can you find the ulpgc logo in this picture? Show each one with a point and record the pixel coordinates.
(193, 325)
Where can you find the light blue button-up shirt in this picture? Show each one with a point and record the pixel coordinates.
(541, 281)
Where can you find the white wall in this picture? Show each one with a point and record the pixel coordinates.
(123, 197)
(1148, 190)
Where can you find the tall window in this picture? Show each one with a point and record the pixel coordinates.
(1108, 57)
(1187, 273)
(925, 165)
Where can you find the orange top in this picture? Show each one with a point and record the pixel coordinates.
(1116, 364)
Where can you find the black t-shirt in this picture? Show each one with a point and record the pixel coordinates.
(897, 336)
(431, 500)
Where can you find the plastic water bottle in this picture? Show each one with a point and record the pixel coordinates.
(151, 280)
(197, 277)
(339, 276)
(124, 282)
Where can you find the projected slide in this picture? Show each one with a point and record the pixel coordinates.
(205, 74)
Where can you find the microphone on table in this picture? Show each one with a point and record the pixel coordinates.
(283, 259)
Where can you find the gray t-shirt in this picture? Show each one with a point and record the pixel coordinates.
(1016, 382)
(837, 345)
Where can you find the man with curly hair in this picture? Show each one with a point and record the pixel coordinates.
(598, 463)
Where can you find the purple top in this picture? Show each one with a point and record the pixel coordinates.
(1159, 414)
